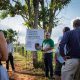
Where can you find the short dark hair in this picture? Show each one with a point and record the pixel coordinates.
(76, 23)
(66, 29)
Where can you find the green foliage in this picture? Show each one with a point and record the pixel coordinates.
(9, 33)
(47, 14)
(43, 13)
(5, 33)
(12, 11)
(4, 4)
(3, 14)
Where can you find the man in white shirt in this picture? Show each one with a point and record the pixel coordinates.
(10, 55)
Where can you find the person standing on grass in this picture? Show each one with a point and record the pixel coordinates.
(10, 55)
(72, 40)
(47, 48)
(58, 58)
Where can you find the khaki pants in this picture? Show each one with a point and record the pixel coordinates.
(77, 74)
(69, 69)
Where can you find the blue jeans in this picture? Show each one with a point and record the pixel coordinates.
(3, 73)
(48, 58)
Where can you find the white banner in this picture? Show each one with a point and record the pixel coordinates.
(34, 36)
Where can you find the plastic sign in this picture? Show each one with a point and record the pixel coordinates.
(33, 37)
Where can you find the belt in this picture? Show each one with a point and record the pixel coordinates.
(68, 57)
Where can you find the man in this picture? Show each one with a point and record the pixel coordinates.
(72, 40)
(3, 48)
(3, 57)
(47, 48)
(10, 55)
(58, 58)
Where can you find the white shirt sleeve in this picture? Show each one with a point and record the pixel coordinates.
(10, 48)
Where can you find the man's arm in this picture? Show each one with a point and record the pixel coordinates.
(3, 47)
(51, 46)
(47, 49)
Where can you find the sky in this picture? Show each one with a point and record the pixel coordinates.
(69, 13)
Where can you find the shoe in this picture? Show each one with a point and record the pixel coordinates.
(52, 78)
(47, 77)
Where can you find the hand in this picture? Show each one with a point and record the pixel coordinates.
(42, 50)
(46, 49)
(65, 58)
(37, 46)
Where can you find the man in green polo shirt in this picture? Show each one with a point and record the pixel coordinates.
(47, 48)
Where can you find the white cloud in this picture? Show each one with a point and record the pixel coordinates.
(12, 22)
(15, 23)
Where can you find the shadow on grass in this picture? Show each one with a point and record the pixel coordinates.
(28, 72)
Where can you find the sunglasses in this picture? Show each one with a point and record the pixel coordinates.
(47, 35)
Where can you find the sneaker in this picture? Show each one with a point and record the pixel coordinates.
(13, 72)
(47, 77)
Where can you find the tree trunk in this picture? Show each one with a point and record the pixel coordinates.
(30, 14)
(35, 59)
(35, 26)
(43, 15)
(36, 13)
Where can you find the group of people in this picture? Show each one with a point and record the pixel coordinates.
(67, 54)
(72, 40)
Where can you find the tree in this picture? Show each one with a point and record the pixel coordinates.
(50, 12)
(9, 33)
(36, 13)
(5, 33)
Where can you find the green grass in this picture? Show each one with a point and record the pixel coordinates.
(22, 64)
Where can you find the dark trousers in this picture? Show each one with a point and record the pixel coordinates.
(10, 58)
(48, 58)
(58, 67)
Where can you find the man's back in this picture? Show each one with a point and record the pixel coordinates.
(3, 47)
(72, 39)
